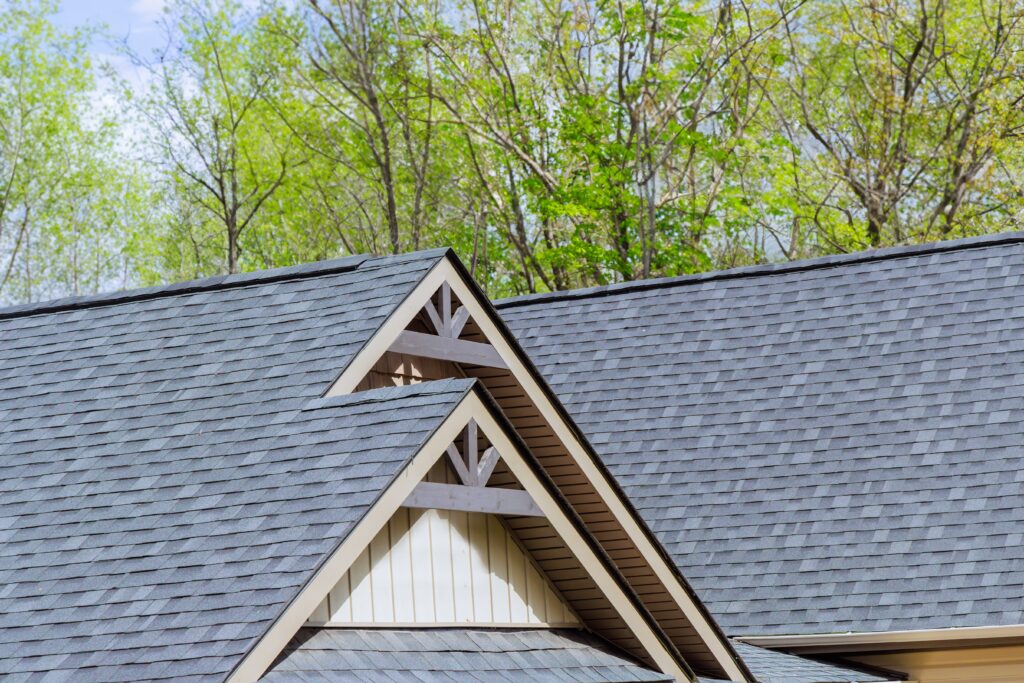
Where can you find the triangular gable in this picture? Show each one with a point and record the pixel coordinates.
(431, 566)
(447, 320)
(611, 609)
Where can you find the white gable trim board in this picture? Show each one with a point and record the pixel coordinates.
(258, 660)
(445, 273)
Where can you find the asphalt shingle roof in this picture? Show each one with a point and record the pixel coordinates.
(476, 655)
(465, 655)
(171, 477)
(827, 446)
(778, 667)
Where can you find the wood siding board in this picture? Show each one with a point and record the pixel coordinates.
(402, 567)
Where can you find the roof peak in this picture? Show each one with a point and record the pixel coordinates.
(212, 283)
(834, 261)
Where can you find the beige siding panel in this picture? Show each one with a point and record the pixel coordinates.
(499, 571)
(381, 584)
(441, 558)
(462, 566)
(340, 606)
(402, 566)
(361, 598)
(520, 588)
(423, 574)
(322, 613)
(439, 567)
(1002, 664)
(480, 569)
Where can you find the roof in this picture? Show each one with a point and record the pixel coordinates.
(487, 655)
(824, 446)
(778, 667)
(171, 476)
(454, 654)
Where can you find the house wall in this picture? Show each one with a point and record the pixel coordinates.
(442, 567)
(1004, 664)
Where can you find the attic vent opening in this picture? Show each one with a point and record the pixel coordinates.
(437, 344)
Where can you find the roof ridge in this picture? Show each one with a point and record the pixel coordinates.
(212, 283)
(833, 261)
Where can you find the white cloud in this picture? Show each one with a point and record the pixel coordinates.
(148, 9)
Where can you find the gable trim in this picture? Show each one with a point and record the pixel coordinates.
(272, 643)
(449, 271)
(832, 642)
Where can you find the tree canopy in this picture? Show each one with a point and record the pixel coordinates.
(552, 143)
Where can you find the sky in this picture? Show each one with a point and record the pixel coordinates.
(132, 20)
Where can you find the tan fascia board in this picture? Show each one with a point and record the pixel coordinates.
(471, 406)
(448, 269)
(918, 639)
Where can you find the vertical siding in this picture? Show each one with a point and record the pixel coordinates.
(440, 567)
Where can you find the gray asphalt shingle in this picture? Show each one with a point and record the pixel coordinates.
(465, 655)
(170, 476)
(778, 667)
(822, 447)
(475, 655)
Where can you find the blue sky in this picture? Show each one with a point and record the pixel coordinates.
(134, 20)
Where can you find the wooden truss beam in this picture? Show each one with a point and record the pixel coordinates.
(472, 495)
(492, 501)
(447, 348)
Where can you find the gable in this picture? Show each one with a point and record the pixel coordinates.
(587, 580)
(433, 567)
(446, 318)
(819, 445)
(441, 568)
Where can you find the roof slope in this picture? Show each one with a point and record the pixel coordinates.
(454, 654)
(475, 655)
(171, 476)
(778, 667)
(826, 446)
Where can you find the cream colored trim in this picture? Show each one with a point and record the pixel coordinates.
(295, 615)
(388, 332)
(446, 271)
(915, 637)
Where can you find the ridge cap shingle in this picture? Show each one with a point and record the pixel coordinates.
(765, 270)
(215, 282)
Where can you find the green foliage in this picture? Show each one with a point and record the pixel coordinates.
(552, 143)
(65, 211)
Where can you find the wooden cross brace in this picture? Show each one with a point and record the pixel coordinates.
(472, 495)
(445, 344)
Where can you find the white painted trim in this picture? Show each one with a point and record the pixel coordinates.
(915, 637)
(312, 594)
(387, 333)
(445, 270)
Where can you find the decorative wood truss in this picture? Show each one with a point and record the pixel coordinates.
(473, 494)
(447, 322)
(445, 344)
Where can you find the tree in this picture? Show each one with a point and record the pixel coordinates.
(904, 116)
(64, 225)
(219, 142)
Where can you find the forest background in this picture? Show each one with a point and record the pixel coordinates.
(553, 143)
